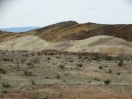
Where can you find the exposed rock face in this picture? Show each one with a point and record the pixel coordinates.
(71, 30)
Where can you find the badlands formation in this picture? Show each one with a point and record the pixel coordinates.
(72, 37)
(96, 44)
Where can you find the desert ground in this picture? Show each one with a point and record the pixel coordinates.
(51, 74)
(67, 60)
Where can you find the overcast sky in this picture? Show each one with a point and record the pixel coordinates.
(22, 13)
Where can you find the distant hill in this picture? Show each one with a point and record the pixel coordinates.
(18, 29)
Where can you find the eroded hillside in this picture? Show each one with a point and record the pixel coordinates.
(71, 30)
(96, 44)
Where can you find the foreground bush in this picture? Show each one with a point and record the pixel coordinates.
(61, 66)
(107, 81)
(2, 71)
(120, 63)
(28, 73)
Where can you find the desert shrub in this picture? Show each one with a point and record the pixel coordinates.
(47, 77)
(96, 57)
(79, 64)
(48, 58)
(100, 67)
(58, 76)
(28, 73)
(36, 60)
(61, 66)
(58, 57)
(6, 59)
(51, 53)
(39, 53)
(108, 58)
(120, 62)
(71, 60)
(118, 73)
(4, 91)
(6, 84)
(26, 55)
(32, 53)
(107, 81)
(110, 71)
(54, 63)
(33, 82)
(2, 71)
(79, 56)
(89, 81)
(29, 63)
(23, 59)
(97, 79)
(85, 57)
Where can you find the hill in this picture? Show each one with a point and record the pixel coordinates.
(97, 44)
(71, 30)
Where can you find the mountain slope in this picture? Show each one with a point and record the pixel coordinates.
(71, 30)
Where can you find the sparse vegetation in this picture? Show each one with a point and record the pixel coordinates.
(27, 73)
(61, 66)
(120, 62)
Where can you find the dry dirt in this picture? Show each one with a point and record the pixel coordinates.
(54, 75)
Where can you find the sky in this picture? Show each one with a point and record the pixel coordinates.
(23, 13)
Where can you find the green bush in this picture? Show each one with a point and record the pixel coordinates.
(110, 71)
(79, 64)
(30, 63)
(58, 57)
(33, 82)
(6, 85)
(6, 59)
(28, 73)
(58, 76)
(108, 58)
(2, 71)
(107, 81)
(97, 79)
(61, 66)
(48, 58)
(100, 67)
(118, 73)
(71, 60)
(79, 56)
(120, 63)
(96, 57)
(51, 53)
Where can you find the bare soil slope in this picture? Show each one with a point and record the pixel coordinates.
(96, 44)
